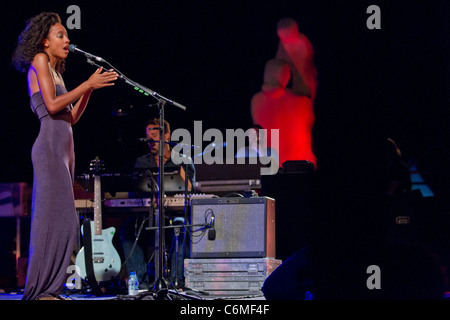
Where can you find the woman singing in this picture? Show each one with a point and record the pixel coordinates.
(41, 51)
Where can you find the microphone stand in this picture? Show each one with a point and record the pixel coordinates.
(160, 288)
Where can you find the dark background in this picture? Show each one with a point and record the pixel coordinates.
(210, 56)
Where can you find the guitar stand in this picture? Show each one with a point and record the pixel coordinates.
(90, 279)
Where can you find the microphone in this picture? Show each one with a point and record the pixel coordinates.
(73, 48)
(147, 140)
(171, 143)
(153, 140)
(212, 230)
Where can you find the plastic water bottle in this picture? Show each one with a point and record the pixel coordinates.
(133, 284)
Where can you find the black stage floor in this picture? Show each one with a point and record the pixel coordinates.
(172, 294)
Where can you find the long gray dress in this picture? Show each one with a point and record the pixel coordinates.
(54, 227)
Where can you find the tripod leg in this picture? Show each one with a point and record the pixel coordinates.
(175, 255)
(157, 248)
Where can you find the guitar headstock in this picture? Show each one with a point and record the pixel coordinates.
(96, 165)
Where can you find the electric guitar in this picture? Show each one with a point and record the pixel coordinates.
(105, 259)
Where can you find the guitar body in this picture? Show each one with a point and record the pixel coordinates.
(106, 260)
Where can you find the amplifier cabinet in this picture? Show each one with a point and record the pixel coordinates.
(243, 228)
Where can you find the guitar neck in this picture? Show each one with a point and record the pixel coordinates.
(97, 205)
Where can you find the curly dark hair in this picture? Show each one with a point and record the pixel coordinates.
(30, 40)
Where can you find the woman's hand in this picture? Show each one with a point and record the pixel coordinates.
(100, 80)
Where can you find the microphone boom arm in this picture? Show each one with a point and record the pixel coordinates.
(137, 86)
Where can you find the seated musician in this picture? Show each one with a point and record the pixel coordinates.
(136, 257)
(151, 160)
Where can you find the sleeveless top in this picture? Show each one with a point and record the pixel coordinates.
(38, 105)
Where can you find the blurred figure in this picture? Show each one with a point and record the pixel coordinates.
(278, 107)
(289, 109)
(297, 50)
